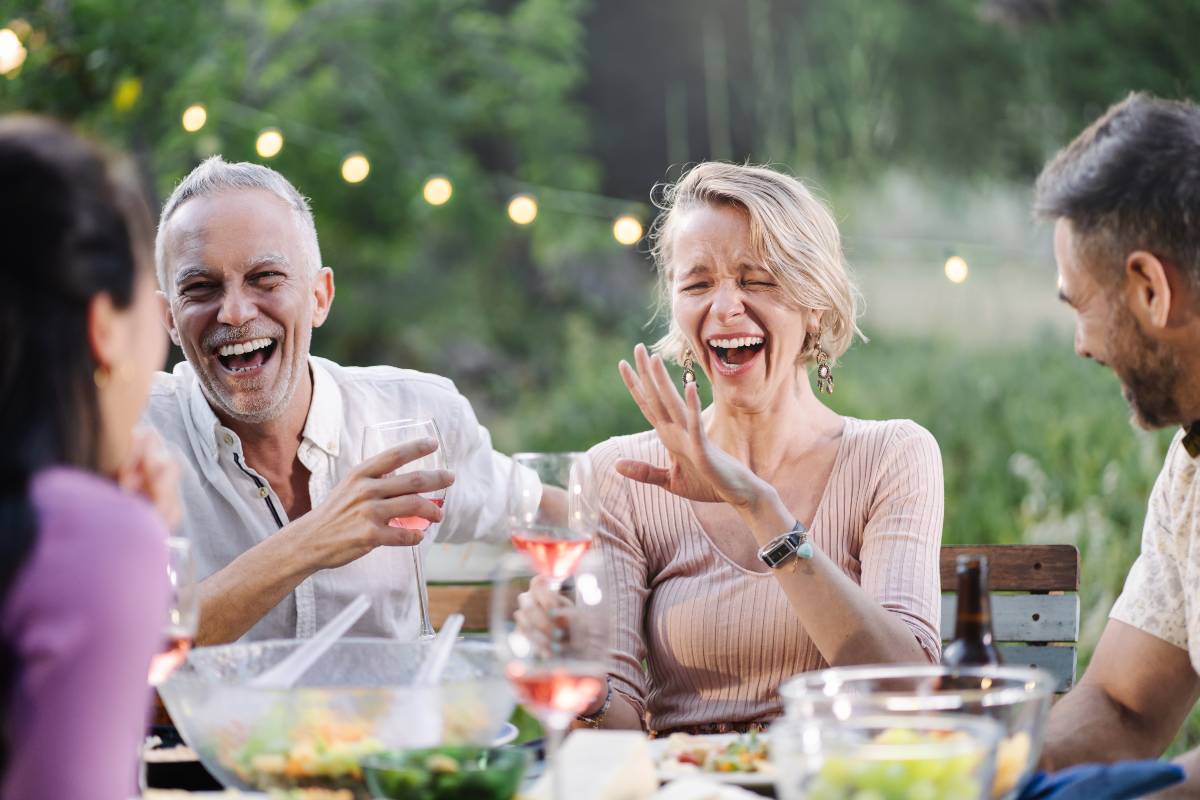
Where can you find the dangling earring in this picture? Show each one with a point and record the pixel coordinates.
(689, 368)
(824, 373)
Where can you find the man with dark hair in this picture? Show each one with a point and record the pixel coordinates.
(1124, 198)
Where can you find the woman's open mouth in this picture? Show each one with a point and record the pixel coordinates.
(734, 354)
(243, 357)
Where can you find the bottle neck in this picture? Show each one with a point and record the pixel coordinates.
(974, 617)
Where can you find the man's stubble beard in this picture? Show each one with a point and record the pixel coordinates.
(257, 414)
(1150, 372)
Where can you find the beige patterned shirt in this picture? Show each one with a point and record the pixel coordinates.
(1162, 591)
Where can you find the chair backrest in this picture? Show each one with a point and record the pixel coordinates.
(472, 600)
(1035, 603)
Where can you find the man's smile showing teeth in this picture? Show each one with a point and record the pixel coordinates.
(246, 356)
(734, 353)
(243, 347)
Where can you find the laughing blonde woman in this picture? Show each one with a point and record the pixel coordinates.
(765, 535)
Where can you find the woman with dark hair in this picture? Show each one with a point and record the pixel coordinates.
(83, 591)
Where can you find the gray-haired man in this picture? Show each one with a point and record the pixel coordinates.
(286, 523)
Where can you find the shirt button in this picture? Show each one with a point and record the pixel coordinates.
(229, 439)
(262, 491)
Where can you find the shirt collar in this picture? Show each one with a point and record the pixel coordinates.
(322, 428)
(1191, 439)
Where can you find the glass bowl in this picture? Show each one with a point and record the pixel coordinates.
(888, 757)
(1018, 698)
(355, 701)
(460, 772)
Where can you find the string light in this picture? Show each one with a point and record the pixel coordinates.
(627, 230)
(12, 52)
(956, 269)
(437, 190)
(269, 143)
(523, 209)
(355, 168)
(127, 92)
(194, 117)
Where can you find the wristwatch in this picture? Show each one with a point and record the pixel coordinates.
(785, 549)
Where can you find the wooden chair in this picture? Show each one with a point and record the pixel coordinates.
(1035, 603)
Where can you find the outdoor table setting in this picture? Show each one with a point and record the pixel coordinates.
(432, 718)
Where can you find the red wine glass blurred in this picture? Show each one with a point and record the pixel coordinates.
(183, 614)
(385, 436)
(552, 510)
(555, 655)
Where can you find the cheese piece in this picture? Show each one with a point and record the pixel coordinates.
(602, 765)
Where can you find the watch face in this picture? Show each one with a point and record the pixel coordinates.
(776, 554)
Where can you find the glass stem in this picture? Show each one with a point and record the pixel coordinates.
(556, 728)
(422, 594)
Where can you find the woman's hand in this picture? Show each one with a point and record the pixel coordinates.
(150, 471)
(540, 615)
(698, 470)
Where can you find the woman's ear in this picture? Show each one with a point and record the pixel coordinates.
(103, 330)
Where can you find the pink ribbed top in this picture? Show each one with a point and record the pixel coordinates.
(719, 639)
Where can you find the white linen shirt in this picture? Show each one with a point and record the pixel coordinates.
(229, 508)
(1162, 590)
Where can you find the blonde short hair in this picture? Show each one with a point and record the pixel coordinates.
(793, 235)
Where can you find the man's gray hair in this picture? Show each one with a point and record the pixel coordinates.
(214, 175)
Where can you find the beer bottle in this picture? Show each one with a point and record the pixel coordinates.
(972, 645)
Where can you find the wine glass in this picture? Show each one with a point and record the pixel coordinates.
(179, 628)
(552, 510)
(385, 436)
(557, 663)
(183, 614)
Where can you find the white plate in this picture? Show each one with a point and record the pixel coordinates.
(670, 772)
(506, 735)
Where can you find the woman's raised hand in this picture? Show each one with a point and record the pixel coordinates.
(698, 469)
(152, 472)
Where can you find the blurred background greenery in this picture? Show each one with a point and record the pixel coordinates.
(923, 124)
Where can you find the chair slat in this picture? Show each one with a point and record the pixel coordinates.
(472, 600)
(1024, 617)
(1020, 568)
(1058, 660)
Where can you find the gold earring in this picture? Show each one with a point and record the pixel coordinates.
(689, 368)
(824, 372)
(103, 375)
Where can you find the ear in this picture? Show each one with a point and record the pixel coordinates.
(168, 318)
(322, 293)
(814, 322)
(1149, 289)
(102, 330)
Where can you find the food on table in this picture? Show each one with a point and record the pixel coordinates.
(1012, 756)
(316, 750)
(310, 794)
(685, 753)
(898, 764)
(587, 762)
(446, 773)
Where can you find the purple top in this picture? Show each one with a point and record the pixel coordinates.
(84, 617)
